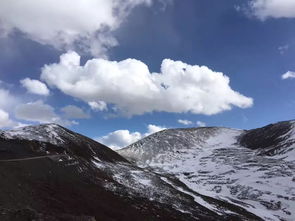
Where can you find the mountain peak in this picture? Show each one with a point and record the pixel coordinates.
(49, 132)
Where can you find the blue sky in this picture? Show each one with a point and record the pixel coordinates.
(251, 42)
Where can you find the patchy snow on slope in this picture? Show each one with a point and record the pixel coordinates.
(44, 132)
(197, 199)
(139, 182)
(289, 153)
(214, 164)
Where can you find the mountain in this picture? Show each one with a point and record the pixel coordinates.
(51, 173)
(251, 169)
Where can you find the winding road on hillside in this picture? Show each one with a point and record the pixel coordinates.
(52, 157)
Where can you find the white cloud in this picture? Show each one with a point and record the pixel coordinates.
(201, 124)
(264, 9)
(7, 100)
(36, 112)
(7, 104)
(188, 122)
(35, 86)
(185, 122)
(288, 74)
(74, 112)
(122, 138)
(153, 129)
(81, 24)
(119, 139)
(133, 90)
(5, 121)
(11, 105)
(98, 105)
(39, 112)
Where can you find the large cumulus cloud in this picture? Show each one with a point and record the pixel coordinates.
(134, 90)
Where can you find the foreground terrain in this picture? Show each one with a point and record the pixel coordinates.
(51, 173)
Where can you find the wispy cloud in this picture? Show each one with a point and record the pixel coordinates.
(74, 112)
(201, 124)
(282, 49)
(40, 112)
(185, 122)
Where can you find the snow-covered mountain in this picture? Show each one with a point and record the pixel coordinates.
(252, 169)
(51, 173)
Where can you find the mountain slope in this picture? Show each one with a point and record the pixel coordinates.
(272, 140)
(252, 169)
(52, 139)
(50, 173)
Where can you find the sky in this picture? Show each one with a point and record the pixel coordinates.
(117, 71)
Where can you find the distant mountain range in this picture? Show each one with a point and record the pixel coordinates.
(51, 173)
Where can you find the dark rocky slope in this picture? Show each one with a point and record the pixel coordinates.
(270, 140)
